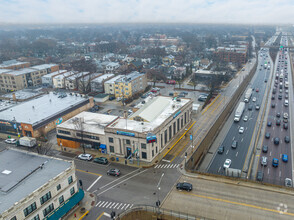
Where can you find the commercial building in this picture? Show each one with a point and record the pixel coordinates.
(129, 85)
(36, 117)
(36, 187)
(144, 134)
(232, 54)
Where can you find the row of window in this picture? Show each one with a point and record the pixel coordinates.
(88, 136)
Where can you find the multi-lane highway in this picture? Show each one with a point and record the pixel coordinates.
(237, 155)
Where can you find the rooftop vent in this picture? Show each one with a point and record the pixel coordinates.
(6, 172)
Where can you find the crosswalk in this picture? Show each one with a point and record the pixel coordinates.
(166, 166)
(113, 205)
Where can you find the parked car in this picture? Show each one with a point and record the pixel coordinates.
(221, 149)
(234, 144)
(227, 163)
(264, 148)
(10, 141)
(101, 160)
(185, 186)
(275, 162)
(259, 176)
(113, 172)
(87, 157)
(288, 182)
(285, 157)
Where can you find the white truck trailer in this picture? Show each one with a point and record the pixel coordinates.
(239, 111)
(248, 95)
(28, 141)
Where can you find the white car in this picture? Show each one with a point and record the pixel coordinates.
(245, 118)
(10, 141)
(241, 130)
(254, 99)
(227, 163)
(85, 157)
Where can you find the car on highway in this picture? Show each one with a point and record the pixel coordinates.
(101, 160)
(10, 141)
(276, 141)
(184, 186)
(257, 89)
(275, 162)
(264, 148)
(288, 182)
(285, 126)
(280, 97)
(259, 176)
(267, 135)
(234, 144)
(245, 118)
(263, 161)
(257, 107)
(287, 139)
(278, 115)
(285, 157)
(278, 122)
(273, 97)
(254, 99)
(273, 105)
(87, 157)
(269, 123)
(227, 163)
(221, 149)
(241, 130)
(250, 107)
(285, 120)
(114, 172)
(286, 103)
(285, 115)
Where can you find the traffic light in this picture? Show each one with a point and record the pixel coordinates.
(158, 203)
(112, 214)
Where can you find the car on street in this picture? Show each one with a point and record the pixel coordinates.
(184, 186)
(227, 163)
(287, 139)
(257, 89)
(273, 97)
(221, 149)
(101, 160)
(275, 162)
(257, 107)
(254, 99)
(285, 157)
(276, 141)
(245, 118)
(259, 176)
(113, 172)
(234, 144)
(269, 123)
(263, 161)
(10, 141)
(264, 148)
(87, 157)
(288, 182)
(285, 115)
(285, 126)
(280, 97)
(267, 135)
(285, 120)
(241, 130)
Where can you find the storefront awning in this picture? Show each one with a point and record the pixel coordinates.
(102, 146)
(66, 206)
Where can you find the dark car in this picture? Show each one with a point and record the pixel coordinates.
(269, 123)
(234, 144)
(287, 139)
(221, 149)
(273, 105)
(280, 97)
(184, 186)
(101, 160)
(285, 126)
(113, 172)
(264, 148)
(111, 98)
(278, 122)
(276, 141)
(273, 97)
(275, 162)
(250, 107)
(267, 135)
(274, 91)
(278, 114)
(285, 120)
(259, 176)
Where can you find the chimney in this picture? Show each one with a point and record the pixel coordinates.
(13, 97)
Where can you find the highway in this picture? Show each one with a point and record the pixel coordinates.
(238, 155)
(277, 175)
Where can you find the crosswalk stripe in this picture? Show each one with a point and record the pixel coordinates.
(127, 206)
(165, 166)
(98, 203)
(119, 206)
(112, 205)
(169, 166)
(178, 165)
(115, 205)
(175, 166)
(123, 206)
(131, 206)
(104, 205)
(156, 166)
(101, 203)
(108, 205)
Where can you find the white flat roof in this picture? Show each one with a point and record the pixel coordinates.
(44, 66)
(49, 75)
(4, 70)
(66, 74)
(21, 71)
(39, 109)
(23, 174)
(92, 122)
(114, 79)
(103, 77)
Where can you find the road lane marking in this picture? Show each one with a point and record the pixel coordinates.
(236, 203)
(237, 154)
(100, 216)
(121, 182)
(227, 152)
(131, 206)
(156, 166)
(219, 169)
(118, 179)
(165, 160)
(106, 214)
(94, 183)
(97, 174)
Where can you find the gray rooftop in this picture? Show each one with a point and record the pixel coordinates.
(100, 79)
(114, 79)
(40, 109)
(44, 66)
(49, 75)
(20, 174)
(128, 78)
(21, 71)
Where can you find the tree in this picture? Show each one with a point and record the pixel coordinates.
(194, 81)
(44, 148)
(83, 65)
(79, 126)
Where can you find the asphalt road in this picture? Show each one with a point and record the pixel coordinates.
(238, 155)
(277, 175)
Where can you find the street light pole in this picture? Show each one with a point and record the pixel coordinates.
(158, 189)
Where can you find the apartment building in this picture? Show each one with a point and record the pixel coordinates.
(14, 65)
(110, 84)
(232, 54)
(36, 187)
(129, 85)
(59, 80)
(47, 80)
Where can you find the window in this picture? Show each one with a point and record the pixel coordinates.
(61, 200)
(63, 132)
(110, 140)
(144, 155)
(58, 187)
(37, 217)
(49, 209)
(13, 218)
(143, 146)
(111, 148)
(45, 198)
(152, 153)
(70, 180)
(72, 191)
(30, 209)
(128, 141)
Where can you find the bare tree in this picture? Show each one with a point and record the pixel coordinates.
(79, 126)
(44, 148)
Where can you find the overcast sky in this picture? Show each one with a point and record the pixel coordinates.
(172, 11)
